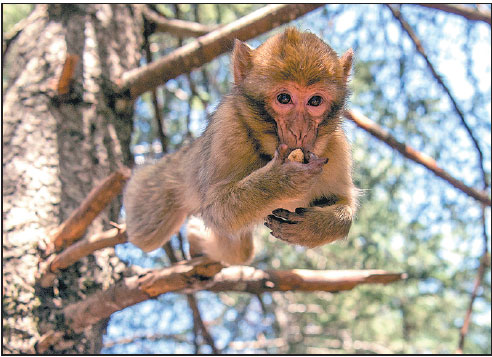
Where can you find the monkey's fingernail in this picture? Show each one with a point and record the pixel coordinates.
(280, 212)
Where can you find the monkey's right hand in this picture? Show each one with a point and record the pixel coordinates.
(296, 175)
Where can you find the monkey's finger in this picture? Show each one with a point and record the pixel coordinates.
(316, 165)
(287, 216)
(283, 151)
(312, 157)
(274, 223)
(276, 231)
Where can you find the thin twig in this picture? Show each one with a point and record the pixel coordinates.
(462, 10)
(157, 110)
(414, 155)
(177, 27)
(198, 321)
(484, 263)
(77, 251)
(75, 226)
(408, 29)
(478, 282)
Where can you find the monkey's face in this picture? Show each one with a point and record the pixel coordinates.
(295, 83)
(298, 112)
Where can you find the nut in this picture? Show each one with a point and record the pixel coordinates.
(296, 155)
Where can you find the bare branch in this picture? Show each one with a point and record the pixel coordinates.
(184, 276)
(79, 250)
(157, 110)
(462, 10)
(198, 321)
(255, 281)
(207, 47)
(100, 196)
(408, 29)
(484, 263)
(414, 155)
(177, 27)
(196, 274)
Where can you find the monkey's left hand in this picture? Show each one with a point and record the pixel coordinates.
(312, 226)
(299, 227)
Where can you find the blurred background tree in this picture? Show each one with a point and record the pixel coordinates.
(409, 219)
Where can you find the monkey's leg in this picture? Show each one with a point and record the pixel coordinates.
(153, 208)
(311, 226)
(238, 249)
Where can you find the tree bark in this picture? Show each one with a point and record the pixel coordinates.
(56, 147)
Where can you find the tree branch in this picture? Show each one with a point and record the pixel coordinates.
(176, 27)
(77, 251)
(484, 263)
(196, 274)
(75, 226)
(462, 10)
(198, 321)
(408, 29)
(157, 111)
(255, 281)
(414, 155)
(207, 47)
(184, 276)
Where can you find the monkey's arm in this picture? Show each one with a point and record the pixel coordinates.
(229, 207)
(330, 212)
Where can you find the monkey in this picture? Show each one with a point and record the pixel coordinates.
(288, 94)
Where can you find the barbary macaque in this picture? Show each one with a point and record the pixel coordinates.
(288, 95)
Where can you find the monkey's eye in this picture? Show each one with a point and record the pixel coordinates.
(283, 98)
(315, 100)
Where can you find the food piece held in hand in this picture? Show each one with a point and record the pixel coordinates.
(296, 155)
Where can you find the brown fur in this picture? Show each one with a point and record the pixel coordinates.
(236, 174)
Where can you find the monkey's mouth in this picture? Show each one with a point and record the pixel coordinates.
(307, 155)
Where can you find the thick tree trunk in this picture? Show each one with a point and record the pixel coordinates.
(57, 145)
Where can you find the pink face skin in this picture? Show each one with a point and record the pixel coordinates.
(298, 111)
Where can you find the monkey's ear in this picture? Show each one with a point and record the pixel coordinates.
(241, 60)
(346, 62)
